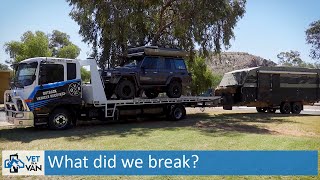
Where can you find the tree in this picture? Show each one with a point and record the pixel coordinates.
(39, 44)
(313, 38)
(85, 75)
(202, 76)
(31, 45)
(113, 26)
(293, 59)
(4, 67)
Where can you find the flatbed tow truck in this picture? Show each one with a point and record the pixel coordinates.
(49, 92)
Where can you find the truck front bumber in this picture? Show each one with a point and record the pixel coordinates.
(15, 116)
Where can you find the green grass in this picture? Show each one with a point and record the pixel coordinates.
(215, 130)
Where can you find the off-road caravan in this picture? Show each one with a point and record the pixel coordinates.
(270, 88)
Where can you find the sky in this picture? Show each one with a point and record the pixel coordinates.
(267, 28)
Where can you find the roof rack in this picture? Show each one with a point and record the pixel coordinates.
(156, 51)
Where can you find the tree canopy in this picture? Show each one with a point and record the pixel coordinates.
(202, 77)
(3, 67)
(39, 44)
(113, 26)
(293, 59)
(313, 38)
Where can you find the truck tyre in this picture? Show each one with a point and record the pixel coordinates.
(296, 108)
(261, 109)
(174, 89)
(285, 108)
(60, 119)
(125, 90)
(176, 112)
(151, 93)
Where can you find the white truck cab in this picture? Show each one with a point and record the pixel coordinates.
(39, 85)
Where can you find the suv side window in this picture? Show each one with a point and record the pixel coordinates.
(179, 64)
(54, 73)
(150, 63)
(161, 63)
(167, 63)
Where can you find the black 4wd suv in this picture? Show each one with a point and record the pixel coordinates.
(149, 69)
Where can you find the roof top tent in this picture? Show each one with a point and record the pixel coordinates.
(156, 51)
(270, 88)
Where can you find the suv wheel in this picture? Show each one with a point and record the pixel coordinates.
(151, 93)
(174, 89)
(125, 90)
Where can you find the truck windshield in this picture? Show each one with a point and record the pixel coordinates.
(25, 74)
(233, 78)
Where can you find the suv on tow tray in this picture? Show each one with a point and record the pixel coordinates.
(150, 69)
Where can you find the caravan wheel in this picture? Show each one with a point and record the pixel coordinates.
(296, 108)
(285, 108)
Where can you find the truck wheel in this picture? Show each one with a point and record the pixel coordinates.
(261, 109)
(125, 90)
(285, 108)
(60, 119)
(177, 112)
(174, 89)
(296, 108)
(151, 93)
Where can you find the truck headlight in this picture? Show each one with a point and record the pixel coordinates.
(109, 74)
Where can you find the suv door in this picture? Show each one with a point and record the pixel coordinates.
(165, 70)
(149, 71)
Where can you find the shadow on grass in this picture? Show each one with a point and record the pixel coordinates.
(211, 125)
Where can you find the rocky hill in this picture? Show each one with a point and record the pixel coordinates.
(229, 61)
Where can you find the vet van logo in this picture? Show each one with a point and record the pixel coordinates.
(23, 163)
(74, 89)
(13, 163)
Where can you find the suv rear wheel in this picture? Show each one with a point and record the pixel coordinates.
(174, 89)
(150, 93)
(125, 90)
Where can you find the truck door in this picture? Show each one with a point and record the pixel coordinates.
(264, 87)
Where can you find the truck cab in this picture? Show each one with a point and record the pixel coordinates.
(41, 85)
